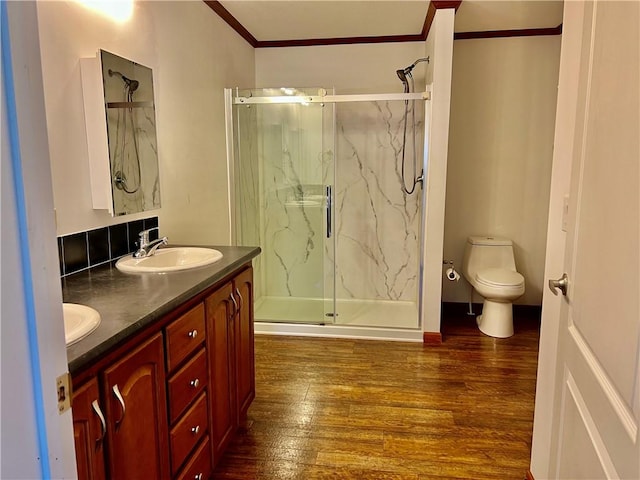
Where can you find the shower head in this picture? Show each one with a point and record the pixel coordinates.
(404, 72)
(402, 75)
(132, 84)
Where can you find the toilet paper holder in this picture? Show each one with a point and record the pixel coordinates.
(451, 273)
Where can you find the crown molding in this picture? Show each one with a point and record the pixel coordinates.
(526, 32)
(225, 15)
(434, 5)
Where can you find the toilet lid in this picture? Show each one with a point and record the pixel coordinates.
(500, 277)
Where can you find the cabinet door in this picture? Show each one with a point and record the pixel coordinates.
(219, 313)
(244, 349)
(136, 413)
(88, 432)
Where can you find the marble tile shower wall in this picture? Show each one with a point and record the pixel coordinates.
(293, 179)
(136, 157)
(82, 250)
(249, 202)
(377, 224)
(281, 172)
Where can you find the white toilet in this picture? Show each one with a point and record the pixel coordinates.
(489, 266)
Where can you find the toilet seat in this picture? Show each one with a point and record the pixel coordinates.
(499, 277)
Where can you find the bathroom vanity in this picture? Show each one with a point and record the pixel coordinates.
(164, 382)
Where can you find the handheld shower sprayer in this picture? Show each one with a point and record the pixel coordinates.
(404, 74)
(132, 84)
(121, 170)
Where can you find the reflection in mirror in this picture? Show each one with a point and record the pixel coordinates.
(131, 130)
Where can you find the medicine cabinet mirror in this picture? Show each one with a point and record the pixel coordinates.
(131, 132)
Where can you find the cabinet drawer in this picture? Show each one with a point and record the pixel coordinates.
(185, 335)
(188, 432)
(187, 384)
(199, 467)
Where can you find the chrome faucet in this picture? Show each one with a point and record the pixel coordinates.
(147, 248)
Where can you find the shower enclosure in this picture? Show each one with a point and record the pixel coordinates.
(317, 183)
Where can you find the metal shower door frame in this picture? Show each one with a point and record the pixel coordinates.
(324, 98)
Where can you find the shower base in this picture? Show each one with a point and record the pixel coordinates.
(379, 319)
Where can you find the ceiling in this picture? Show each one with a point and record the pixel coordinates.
(269, 20)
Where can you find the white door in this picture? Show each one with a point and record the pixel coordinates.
(596, 395)
(35, 440)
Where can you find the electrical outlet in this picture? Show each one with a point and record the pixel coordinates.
(63, 387)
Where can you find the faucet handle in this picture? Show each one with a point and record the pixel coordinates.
(144, 235)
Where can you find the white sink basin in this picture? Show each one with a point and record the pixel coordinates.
(79, 321)
(170, 260)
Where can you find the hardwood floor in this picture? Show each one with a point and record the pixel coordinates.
(355, 409)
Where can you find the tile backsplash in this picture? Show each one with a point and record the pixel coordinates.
(79, 251)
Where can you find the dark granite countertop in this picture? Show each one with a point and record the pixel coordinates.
(128, 303)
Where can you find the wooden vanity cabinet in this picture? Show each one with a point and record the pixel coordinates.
(136, 413)
(169, 406)
(120, 417)
(231, 357)
(221, 367)
(189, 431)
(244, 343)
(89, 431)
(188, 386)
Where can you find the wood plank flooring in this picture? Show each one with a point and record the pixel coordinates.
(371, 410)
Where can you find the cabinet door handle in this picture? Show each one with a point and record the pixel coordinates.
(193, 333)
(240, 299)
(195, 430)
(197, 477)
(103, 424)
(235, 306)
(116, 392)
(194, 383)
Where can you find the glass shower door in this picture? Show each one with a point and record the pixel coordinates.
(378, 223)
(283, 168)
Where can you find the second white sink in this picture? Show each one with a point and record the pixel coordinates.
(79, 321)
(170, 260)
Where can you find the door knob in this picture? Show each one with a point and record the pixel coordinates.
(560, 284)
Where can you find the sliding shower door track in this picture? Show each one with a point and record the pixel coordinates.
(306, 99)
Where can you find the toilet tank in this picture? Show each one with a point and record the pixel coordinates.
(487, 252)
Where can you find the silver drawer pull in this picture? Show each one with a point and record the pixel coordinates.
(195, 430)
(193, 333)
(197, 477)
(195, 383)
(116, 392)
(96, 409)
(240, 299)
(235, 305)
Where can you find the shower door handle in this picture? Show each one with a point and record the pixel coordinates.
(329, 203)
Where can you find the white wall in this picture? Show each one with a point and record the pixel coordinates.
(439, 47)
(366, 68)
(194, 55)
(500, 149)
